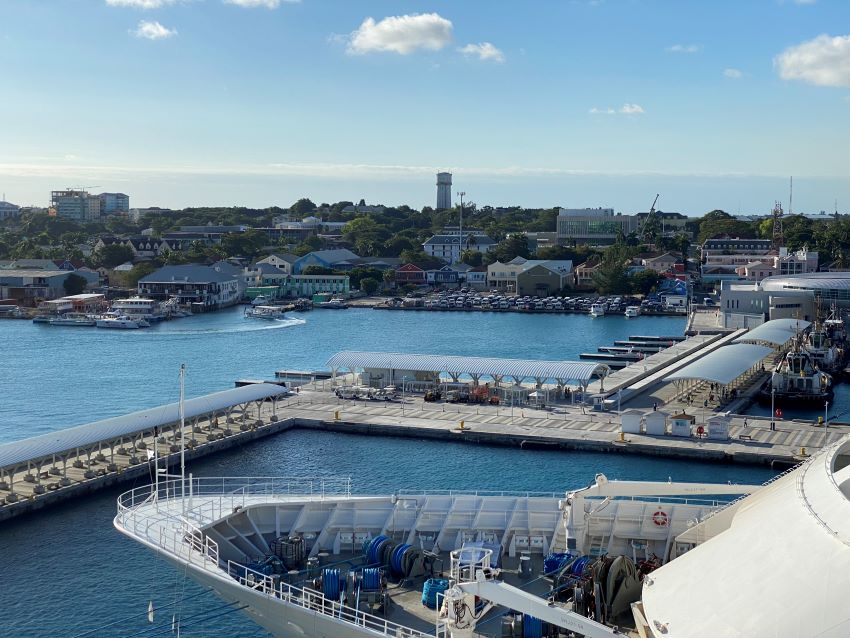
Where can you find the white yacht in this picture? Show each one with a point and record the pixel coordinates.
(597, 310)
(139, 308)
(309, 558)
(632, 311)
(120, 322)
(265, 312)
(334, 303)
(260, 300)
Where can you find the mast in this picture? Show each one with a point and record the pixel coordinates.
(182, 437)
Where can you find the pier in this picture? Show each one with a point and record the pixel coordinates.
(523, 408)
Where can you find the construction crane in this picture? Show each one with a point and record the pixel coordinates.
(649, 215)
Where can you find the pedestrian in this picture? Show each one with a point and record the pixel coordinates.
(655, 406)
(705, 403)
(745, 423)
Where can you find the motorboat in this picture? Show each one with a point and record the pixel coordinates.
(334, 303)
(597, 310)
(72, 320)
(265, 312)
(260, 300)
(120, 322)
(632, 311)
(311, 557)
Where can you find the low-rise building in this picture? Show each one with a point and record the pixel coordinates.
(281, 261)
(9, 210)
(30, 287)
(662, 263)
(309, 285)
(200, 286)
(410, 274)
(340, 259)
(735, 246)
(745, 304)
(450, 248)
(585, 273)
(530, 276)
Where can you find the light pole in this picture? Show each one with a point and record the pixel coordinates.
(403, 383)
(619, 397)
(825, 414)
(772, 408)
(461, 194)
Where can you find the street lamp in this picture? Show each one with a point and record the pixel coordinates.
(772, 408)
(403, 383)
(461, 194)
(825, 414)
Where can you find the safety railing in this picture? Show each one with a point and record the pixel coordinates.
(316, 602)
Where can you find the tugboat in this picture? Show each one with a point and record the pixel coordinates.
(797, 378)
(825, 353)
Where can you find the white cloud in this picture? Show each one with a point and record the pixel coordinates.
(401, 34)
(735, 74)
(139, 4)
(251, 4)
(626, 109)
(683, 48)
(153, 30)
(824, 61)
(483, 51)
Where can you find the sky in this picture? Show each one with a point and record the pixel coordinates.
(539, 103)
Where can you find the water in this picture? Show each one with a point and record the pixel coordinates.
(58, 377)
(66, 570)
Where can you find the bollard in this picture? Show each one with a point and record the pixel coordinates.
(803, 451)
(461, 425)
(622, 436)
(336, 415)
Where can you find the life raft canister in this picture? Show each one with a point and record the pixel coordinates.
(660, 518)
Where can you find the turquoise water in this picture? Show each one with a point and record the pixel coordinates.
(57, 377)
(66, 570)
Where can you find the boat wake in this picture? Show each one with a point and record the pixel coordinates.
(249, 325)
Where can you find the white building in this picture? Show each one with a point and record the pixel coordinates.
(9, 210)
(444, 190)
(76, 205)
(449, 248)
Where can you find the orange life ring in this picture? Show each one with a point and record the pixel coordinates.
(660, 518)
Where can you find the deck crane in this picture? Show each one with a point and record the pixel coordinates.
(649, 216)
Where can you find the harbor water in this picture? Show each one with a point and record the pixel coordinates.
(66, 571)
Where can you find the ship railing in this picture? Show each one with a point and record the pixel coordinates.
(317, 602)
(514, 494)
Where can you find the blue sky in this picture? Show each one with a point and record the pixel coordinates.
(540, 103)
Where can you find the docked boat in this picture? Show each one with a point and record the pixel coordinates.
(72, 320)
(597, 310)
(334, 303)
(825, 354)
(632, 311)
(120, 322)
(265, 312)
(139, 308)
(310, 558)
(797, 378)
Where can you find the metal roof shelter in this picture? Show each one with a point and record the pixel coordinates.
(92, 436)
(776, 332)
(580, 372)
(723, 365)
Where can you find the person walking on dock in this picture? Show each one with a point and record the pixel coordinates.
(655, 406)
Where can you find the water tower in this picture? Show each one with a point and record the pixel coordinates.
(444, 190)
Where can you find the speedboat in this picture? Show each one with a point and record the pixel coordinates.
(265, 312)
(260, 300)
(309, 557)
(334, 303)
(597, 310)
(632, 311)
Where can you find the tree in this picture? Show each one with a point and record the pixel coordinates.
(139, 270)
(369, 285)
(472, 257)
(112, 255)
(421, 259)
(318, 270)
(389, 277)
(718, 223)
(514, 246)
(303, 207)
(74, 284)
(248, 244)
(645, 282)
(611, 277)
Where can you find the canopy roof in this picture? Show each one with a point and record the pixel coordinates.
(776, 332)
(723, 365)
(61, 441)
(580, 371)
